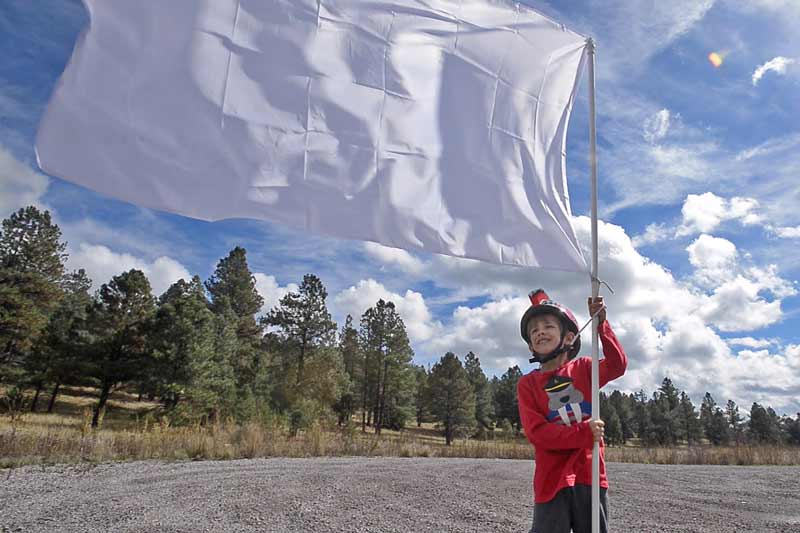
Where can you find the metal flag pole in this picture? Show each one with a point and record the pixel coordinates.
(590, 48)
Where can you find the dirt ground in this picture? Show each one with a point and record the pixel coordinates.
(380, 494)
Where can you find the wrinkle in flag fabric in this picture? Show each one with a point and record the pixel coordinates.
(434, 125)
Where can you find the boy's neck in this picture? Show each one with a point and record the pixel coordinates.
(553, 364)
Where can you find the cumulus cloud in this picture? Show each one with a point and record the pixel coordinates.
(656, 126)
(20, 185)
(653, 233)
(268, 288)
(713, 258)
(101, 264)
(411, 306)
(776, 64)
(788, 232)
(705, 212)
(750, 342)
(667, 326)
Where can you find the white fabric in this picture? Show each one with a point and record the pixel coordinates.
(434, 125)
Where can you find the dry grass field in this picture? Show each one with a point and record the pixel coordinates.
(134, 430)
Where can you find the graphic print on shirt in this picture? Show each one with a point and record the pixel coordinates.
(566, 403)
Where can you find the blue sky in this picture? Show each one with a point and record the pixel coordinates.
(699, 197)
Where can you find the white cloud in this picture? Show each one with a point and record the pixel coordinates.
(750, 342)
(268, 288)
(656, 126)
(713, 258)
(101, 264)
(667, 327)
(705, 212)
(653, 233)
(20, 185)
(411, 307)
(788, 233)
(776, 64)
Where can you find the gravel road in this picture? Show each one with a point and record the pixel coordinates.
(380, 494)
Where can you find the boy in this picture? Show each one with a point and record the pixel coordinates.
(555, 410)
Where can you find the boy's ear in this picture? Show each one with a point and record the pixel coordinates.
(569, 337)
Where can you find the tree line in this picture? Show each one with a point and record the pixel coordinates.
(204, 350)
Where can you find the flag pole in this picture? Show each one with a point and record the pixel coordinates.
(590, 48)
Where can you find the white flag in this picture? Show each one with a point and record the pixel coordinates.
(435, 125)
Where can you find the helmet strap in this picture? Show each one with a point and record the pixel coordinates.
(544, 358)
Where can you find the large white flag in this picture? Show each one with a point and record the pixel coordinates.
(435, 125)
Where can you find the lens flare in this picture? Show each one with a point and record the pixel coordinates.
(715, 59)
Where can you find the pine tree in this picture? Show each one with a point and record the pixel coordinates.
(484, 407)
(233, 287)
(641, 416)
(763, 425)
(118, 324)
(621, 405)
(707, 408)
(692, 430)
(348, 347)
(670, 393)
(505, 397)
(735, 421)
(452, 397)
(31, 269)
(421, 395)
(183, 344)
(56, 357)
(303, 322)
(387, 356)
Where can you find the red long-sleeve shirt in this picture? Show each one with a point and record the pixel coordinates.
(555, 408)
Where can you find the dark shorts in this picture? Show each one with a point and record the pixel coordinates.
(571, 509)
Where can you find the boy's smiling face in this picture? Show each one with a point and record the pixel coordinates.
(544, 331)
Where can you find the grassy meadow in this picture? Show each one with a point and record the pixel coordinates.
(135, 430)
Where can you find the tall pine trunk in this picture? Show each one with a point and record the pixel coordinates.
(301, 360)
(104, 394)
(377, 404)
(364, 394)
(53, 396)
(35, 400)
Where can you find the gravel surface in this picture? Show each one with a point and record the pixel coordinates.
(380, 494)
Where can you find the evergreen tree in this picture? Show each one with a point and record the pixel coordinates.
(669, 393)
(56, 357)
(764, 425)
(718, 428)
(118, 325)
(662, 429)
(505, 397)
(452, 397)
(735, 421)
(31, 269)
(421, 395)
(692, 430)
(387, 356)
(183, 342)
(621, 405)
(233, 294)
(484, 407)
(707, 408)
(348, 347)
(792, 429)
(641, 416)
(613, 434)
(303, 322)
